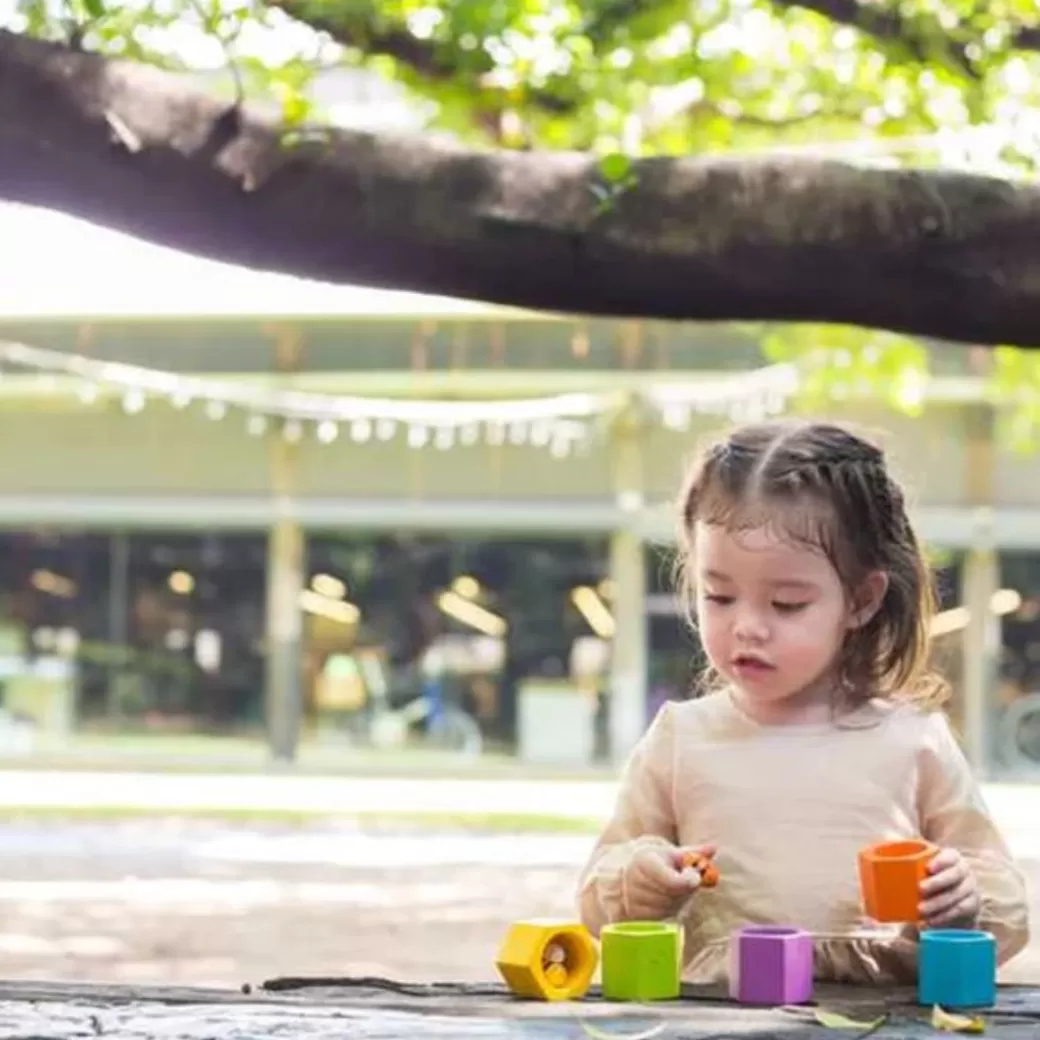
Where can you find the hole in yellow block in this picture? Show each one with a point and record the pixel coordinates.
(548, 960)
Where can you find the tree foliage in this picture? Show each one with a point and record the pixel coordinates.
(653, 76)
(951, 83)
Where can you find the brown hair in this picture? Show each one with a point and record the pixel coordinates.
(819, 484)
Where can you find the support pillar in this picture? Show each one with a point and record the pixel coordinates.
(286, 562)
(629, 673)
(630, 657)
(118, 620)
(283, 695)
(980, 579)
(980, 643)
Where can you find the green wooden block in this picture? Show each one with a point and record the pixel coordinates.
(642, 960)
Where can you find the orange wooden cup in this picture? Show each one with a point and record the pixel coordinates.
(890, 875)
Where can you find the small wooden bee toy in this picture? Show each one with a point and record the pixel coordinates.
(704, 866)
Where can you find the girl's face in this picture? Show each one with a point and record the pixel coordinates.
(773, 616)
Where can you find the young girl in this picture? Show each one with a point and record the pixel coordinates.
(820, 734)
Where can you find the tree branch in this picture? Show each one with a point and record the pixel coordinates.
(946, 255)
(924, 42)
(884, 23)
(425, 57)
(352, 30)
(367, 32)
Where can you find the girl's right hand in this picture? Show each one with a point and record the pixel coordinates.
(656, 882)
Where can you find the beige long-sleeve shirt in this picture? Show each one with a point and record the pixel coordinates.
(789, 808)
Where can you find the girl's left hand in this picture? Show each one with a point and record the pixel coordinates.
(950, 894)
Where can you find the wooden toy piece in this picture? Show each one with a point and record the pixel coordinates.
(704, 866)
(771, 966)
(556, 975)
(890, 877)
(957, 968)
(548, 959)
(642, 960)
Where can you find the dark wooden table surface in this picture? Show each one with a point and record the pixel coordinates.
(377, 1009)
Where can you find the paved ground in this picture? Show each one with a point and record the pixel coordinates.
(206, 903)
(1016, 806)
(320, 795)
(191, 901)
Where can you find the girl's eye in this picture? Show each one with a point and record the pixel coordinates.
(789, 608)
(722, 601)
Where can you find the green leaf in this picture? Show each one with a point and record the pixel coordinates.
(950, 1023)
(832, 1020)
(601, 1034)
(615, 168)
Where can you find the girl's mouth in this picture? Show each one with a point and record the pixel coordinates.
(750, 665)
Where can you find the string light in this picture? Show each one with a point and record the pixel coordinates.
(560, 423)
(133, 402)
(256, 425)
(327, 431)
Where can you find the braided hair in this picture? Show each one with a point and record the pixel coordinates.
(820, 485)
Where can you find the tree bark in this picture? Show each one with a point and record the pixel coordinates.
(783, 239)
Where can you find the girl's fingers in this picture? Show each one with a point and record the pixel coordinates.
(950, 905)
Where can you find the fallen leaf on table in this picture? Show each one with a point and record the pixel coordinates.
(832, 1020)
(600, 1034)
(951, 1023)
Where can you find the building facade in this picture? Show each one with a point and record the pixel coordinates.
(172, 562)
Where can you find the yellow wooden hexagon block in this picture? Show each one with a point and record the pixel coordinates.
(548, 960)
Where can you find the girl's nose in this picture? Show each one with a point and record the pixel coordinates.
(750, 628)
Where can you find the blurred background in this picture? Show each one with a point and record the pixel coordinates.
(327, 614)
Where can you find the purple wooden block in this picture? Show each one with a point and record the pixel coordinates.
(771, 965)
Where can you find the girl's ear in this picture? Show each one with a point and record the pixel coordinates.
(869, 598)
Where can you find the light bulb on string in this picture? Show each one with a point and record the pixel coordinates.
(133, 401)
(739, 410)
(676, 417)
(327, 431)
(561, 446)
(256, 425)
(767, 391)
(541, 434)
(756, 409)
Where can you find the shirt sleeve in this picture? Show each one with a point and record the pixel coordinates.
(954, 815)
(643, 814)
